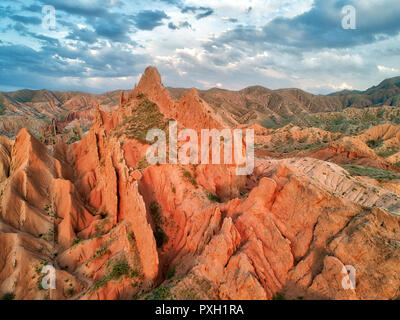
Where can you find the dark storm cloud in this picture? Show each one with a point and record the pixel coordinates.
(181, 25)
(205, 14)
(26, 19)
(24, 31)
(84, 35)
(20, 64)
(149, 19)
(200, 12)
(172, 26)
(89, 56)
(321, 27)
(98, 8)
(100, 16)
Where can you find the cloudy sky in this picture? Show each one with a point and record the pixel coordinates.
(103, 45)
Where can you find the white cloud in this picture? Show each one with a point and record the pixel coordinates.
(384, 69)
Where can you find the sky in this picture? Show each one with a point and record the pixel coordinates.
(103, 45)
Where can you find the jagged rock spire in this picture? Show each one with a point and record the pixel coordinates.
(121, 98)
(98, 117)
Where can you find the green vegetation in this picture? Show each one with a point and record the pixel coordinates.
(101, 252)
(189, 177)
(387, 152)
(100, 226)
(75, 135)
(146, 116)
(160, 293)
(171, 273)
(27, 95)
(49, 236)
(213, 197)
(143, 164)
(131, 237)
(374, 173)
(115, 272)
(70, 291)
(120, 269)
(200, 289)
(137, 263)
(101, 283)
(8, 296)
(134, 273)
(349, 121)
(286, 147)
(75, 241)
(159, 234)
(140, 95)
(278, 296)
(3, 106)
(73, 139)
(39, 283)
(373, 144)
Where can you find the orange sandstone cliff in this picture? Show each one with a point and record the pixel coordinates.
(115, 227)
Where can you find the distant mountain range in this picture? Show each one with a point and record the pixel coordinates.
(251, 105)
(261, 105)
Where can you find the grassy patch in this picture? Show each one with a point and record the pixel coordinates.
(49, 236)
(100, 226)
(146, 116)
(143, 164)
(3, 105)
(374, 173)
(278, 296)
(213, 197)
(350, 121)
(160, 293)
(159, 234)
(115, 272)
(387, 153)
(73, 139)
(171, 273)
(140, 95)
(101, 252)
(8, 296)
(101, 283)
(189, 177)
(137, 263)
(373, 144)
(284, 147)
(120, 269)
(134, 273)
(69, 292)
(75, 241)
(131, 237)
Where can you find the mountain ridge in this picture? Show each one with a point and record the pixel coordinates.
(251, 105)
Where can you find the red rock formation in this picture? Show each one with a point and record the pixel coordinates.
(115, 227)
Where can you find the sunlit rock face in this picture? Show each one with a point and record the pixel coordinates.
(114, 227)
